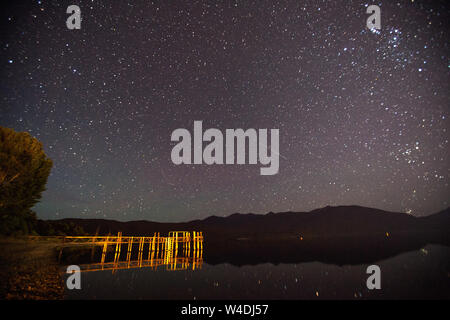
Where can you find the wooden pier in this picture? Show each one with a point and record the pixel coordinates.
(178, 251)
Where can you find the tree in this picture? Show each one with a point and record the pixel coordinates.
(24, 169)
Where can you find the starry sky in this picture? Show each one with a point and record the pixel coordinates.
(363, 116)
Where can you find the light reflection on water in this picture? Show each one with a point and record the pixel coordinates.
(423, 273)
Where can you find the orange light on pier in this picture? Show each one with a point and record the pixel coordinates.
(161, 250)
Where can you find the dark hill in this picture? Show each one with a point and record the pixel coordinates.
(339, 235)
(342, 221)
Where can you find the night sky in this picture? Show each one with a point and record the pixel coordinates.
(363, 116)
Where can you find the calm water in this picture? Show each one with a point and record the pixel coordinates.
(423, 273)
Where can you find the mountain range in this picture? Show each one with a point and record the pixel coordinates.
(338, 235)
(342, 221)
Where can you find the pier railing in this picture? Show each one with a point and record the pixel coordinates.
(178, 251)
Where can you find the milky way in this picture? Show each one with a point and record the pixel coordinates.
(363, 116)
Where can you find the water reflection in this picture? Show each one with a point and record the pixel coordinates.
(423, 273)
(168, 258)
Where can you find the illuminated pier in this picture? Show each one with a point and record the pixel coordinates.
(180, 250)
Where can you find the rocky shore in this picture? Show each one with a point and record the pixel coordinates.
(29, 270)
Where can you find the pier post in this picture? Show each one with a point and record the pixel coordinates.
(130, 246)
(201, 240)
(141, 249)
(151, 245)
(118, 245)
(157, 246)
(105, 248)
(193, 241)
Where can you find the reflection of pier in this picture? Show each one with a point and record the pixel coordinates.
(178, 251)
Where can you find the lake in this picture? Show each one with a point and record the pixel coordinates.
(422, 273)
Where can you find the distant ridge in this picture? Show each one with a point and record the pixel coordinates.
(323, 222)
(338, 235)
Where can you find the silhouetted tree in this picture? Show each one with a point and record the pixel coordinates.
(24, 169)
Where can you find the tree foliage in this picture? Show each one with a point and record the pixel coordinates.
(24, 169)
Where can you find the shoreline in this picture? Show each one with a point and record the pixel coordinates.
(29, 270)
